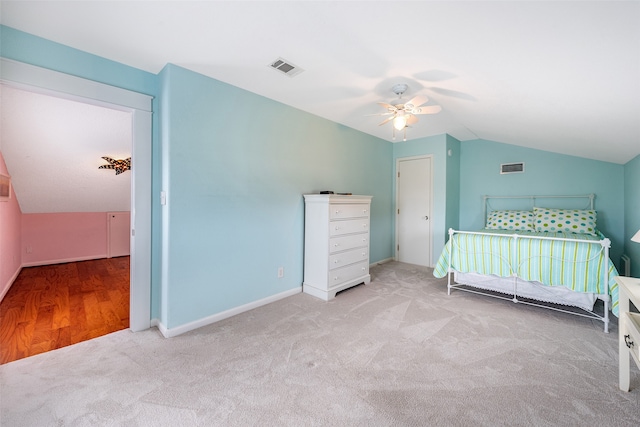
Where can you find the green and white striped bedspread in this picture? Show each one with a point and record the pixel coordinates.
(574, 265)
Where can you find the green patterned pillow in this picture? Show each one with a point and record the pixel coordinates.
(510, 220)
(567, 220)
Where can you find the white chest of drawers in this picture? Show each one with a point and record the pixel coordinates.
(336, 243)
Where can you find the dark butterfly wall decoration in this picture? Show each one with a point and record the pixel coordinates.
(119, 165)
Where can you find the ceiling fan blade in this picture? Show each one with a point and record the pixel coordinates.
(388, 113)
(416, 101)
(388, 106)
(412, 120)
(430, 109)
(387, 120)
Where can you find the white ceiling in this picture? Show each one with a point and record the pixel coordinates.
(557, 76)
(53, 148)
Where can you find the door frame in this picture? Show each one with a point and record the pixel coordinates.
(48, 82)
(395, 216)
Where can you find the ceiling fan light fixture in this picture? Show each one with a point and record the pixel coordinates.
(403, 114)
(400, 122)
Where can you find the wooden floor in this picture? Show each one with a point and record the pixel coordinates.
(58, 305)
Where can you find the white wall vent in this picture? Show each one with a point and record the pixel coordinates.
(286, 67)
(625, 266)
(511, 168)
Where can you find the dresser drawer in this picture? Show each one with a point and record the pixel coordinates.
(344, 274)
(340, 211)
(337, 228)
(632, 334)
(343, 243)
(349, 257)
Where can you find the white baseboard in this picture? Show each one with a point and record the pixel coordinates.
(173, 332)
(381, 262)
(62, 261)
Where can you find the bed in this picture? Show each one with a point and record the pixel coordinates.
(554, 258)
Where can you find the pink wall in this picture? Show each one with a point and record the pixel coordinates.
(10, 238)
(49, 238)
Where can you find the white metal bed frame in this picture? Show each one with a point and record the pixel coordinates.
(604, 244)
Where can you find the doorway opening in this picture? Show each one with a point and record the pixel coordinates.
(138, 105)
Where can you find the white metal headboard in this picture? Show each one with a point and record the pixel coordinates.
(533, 199)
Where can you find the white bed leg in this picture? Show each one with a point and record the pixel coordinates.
(606, 244)
(606, 316)
(449, 270)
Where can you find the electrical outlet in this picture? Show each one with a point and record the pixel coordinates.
(280, 272)
(29, 249)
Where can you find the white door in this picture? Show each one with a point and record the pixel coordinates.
(413, 211)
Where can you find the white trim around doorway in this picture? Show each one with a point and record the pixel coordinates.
(49, 82)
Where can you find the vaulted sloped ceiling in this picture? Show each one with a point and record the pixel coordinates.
(560, 76)
(53, 148)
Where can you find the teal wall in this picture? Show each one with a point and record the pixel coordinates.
(237, 172)
(452, 219)
(34, 50)
(545, 173)
(632, 212)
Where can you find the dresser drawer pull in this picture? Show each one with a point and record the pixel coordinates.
(627, 341)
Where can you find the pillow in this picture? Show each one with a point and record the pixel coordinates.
(567, 220)
(510, 220)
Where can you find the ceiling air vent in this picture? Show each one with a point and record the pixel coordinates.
(511, 168)
(286, 67)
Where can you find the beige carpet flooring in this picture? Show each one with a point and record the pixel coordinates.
(397, 352)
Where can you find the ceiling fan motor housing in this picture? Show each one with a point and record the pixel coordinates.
(399, 89)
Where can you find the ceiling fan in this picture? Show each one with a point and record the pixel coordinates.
(403, 114)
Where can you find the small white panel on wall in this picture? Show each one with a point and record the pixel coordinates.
(118, 241)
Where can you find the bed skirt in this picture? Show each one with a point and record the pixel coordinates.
(531, 290)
